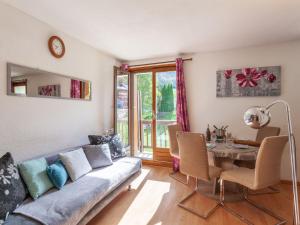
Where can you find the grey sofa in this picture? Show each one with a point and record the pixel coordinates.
(121, 174)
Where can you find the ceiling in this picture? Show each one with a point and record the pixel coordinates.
(139, 29)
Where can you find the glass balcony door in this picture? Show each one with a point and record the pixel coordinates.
(165, 111)
(154, 109)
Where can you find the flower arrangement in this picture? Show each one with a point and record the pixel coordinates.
(250, 76)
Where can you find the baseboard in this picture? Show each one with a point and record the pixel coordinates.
(289, 182)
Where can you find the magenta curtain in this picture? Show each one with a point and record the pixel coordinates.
(75, 89)
(181, 109)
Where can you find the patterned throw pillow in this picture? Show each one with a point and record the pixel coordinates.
(12, 189)
(116, 146)
(99, 139)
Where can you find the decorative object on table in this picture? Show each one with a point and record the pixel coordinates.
(49, 90)
(208, 134)
(220, 133)
(257, 117)
(261, 81)
(12, 189)
(56, 46)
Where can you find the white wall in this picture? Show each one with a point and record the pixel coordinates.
(34, 126)
(205, 108)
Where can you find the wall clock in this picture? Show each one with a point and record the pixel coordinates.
(56, 46)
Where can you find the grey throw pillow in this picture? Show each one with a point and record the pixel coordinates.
(76, 163)
(114, 141)
(98, 155)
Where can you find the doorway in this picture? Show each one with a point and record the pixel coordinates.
(154, 108)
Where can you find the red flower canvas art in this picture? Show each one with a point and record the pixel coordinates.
(49, 90)
(260, 81)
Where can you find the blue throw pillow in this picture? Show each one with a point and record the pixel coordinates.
(57, 174)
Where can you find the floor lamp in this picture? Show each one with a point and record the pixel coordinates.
(257, 117)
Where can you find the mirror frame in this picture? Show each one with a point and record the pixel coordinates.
(10, 93)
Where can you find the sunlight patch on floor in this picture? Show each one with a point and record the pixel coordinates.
(137, 181)
(145, 204)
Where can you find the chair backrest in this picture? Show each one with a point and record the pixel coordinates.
(173, 129)
(267, 132)
(268, 162)
(193, 155)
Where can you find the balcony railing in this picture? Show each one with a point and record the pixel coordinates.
(162, 136)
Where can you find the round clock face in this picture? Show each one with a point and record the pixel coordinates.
(56, 46)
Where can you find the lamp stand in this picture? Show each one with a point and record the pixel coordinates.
(292, 157)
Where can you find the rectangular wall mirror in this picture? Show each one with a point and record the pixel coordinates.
(26, 81)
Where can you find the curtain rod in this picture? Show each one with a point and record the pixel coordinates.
(158, 63)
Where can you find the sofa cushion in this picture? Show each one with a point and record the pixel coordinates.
(64, 207)
(116, 147)
(99, 139)
(12, 189)
(114, 141)
(57, 174)
(98, 155)
(35, 176)
(76, 163)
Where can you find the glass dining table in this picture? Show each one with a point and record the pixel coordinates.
(233, 151)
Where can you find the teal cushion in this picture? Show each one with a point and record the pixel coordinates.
(35, 176)
(57, 174)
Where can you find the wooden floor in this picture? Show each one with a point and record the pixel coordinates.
(154, 197)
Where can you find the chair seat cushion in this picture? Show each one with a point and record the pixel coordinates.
(214, 172)
(241, 175)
